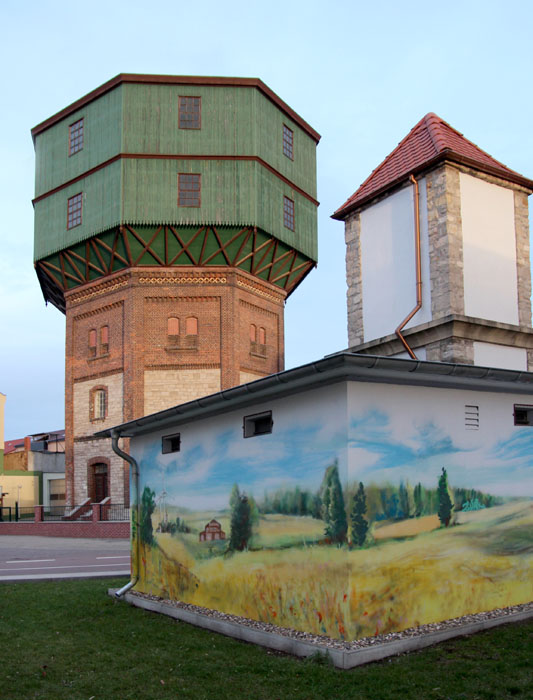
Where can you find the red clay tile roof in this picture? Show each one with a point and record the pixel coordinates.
(430, 141)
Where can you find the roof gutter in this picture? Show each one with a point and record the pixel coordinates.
(418, 268)
(115, 435)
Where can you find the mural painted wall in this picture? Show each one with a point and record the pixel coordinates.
(367, 509)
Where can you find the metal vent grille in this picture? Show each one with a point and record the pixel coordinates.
(471, 417)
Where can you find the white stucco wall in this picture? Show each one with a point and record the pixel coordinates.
(388, 263)
(503, 356)
(489, 250)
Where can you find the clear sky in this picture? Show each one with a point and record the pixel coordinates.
(361, 73)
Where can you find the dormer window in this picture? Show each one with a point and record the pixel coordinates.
(189, 112)
(75, 137)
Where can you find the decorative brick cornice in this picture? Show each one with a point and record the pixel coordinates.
(255, 288)
(98, 375)
(180, 367)
(103, 288)
(196, 279)
(173, 298)
(98, 311)
(258, 309)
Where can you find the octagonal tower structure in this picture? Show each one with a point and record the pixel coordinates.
(173, 217)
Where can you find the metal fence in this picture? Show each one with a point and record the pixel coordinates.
(114, 512)
(12, 514)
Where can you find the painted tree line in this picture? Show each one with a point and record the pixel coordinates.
(384, 502)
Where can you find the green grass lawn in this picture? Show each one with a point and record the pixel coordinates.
(70, 640)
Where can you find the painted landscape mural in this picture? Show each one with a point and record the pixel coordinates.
(342, 529)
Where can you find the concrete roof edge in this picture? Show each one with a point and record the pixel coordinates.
(329, 370)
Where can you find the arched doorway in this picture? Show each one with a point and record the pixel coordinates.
(101, 482)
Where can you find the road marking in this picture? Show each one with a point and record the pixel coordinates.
(122, 556)
(26, 561)
(46, 568)
(79, 574)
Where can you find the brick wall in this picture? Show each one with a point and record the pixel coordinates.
(74, 529)
(143, 368)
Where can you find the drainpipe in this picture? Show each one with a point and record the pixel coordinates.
(418, 267)
(115, 435)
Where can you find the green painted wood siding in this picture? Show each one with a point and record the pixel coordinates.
(236, 121)
(102, 140)
(100, 211)
(233, 193)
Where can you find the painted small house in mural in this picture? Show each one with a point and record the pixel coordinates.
(213, 531)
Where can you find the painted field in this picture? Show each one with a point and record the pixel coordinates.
(482, 563)
(406, 528)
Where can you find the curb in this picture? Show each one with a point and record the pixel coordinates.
(340, 658)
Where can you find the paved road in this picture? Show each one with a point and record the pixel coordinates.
(30, 558)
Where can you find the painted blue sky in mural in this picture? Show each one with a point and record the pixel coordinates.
(503, 467)
(201, 475)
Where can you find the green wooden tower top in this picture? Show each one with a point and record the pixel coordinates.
(151, 170)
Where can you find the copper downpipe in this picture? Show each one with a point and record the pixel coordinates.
(418, 266)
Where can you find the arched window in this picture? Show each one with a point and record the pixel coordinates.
(191, 326)
(253, 333)
(98, 403)
(104, 340)
(173, 326)
(92, 342)
(261, 339)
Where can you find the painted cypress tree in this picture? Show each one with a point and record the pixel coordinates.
(419, 500)
(445, 501)
(147, 508)
(333, 510)
(357, 517)
(241, 522)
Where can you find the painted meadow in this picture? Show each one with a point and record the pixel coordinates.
(344, 562)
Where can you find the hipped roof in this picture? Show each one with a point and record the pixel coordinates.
(428, 143)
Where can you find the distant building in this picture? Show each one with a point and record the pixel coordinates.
(213, 531)
(466, 297)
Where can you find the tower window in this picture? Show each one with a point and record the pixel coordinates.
(261, 336)
(173, 326)
(253, 333)
(257, 424)
(191, 326)
(98, 403)
(288, 213)
(74, 211)
(189, 112)
(75, 137)
(189, 189)
(288, 140)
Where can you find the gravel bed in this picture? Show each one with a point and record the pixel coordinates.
(337, 643)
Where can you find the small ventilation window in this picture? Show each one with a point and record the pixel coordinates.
(523, 414)
(257, 424)
(471, 417)
(171, 443)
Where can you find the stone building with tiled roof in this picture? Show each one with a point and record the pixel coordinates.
(438, 254)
